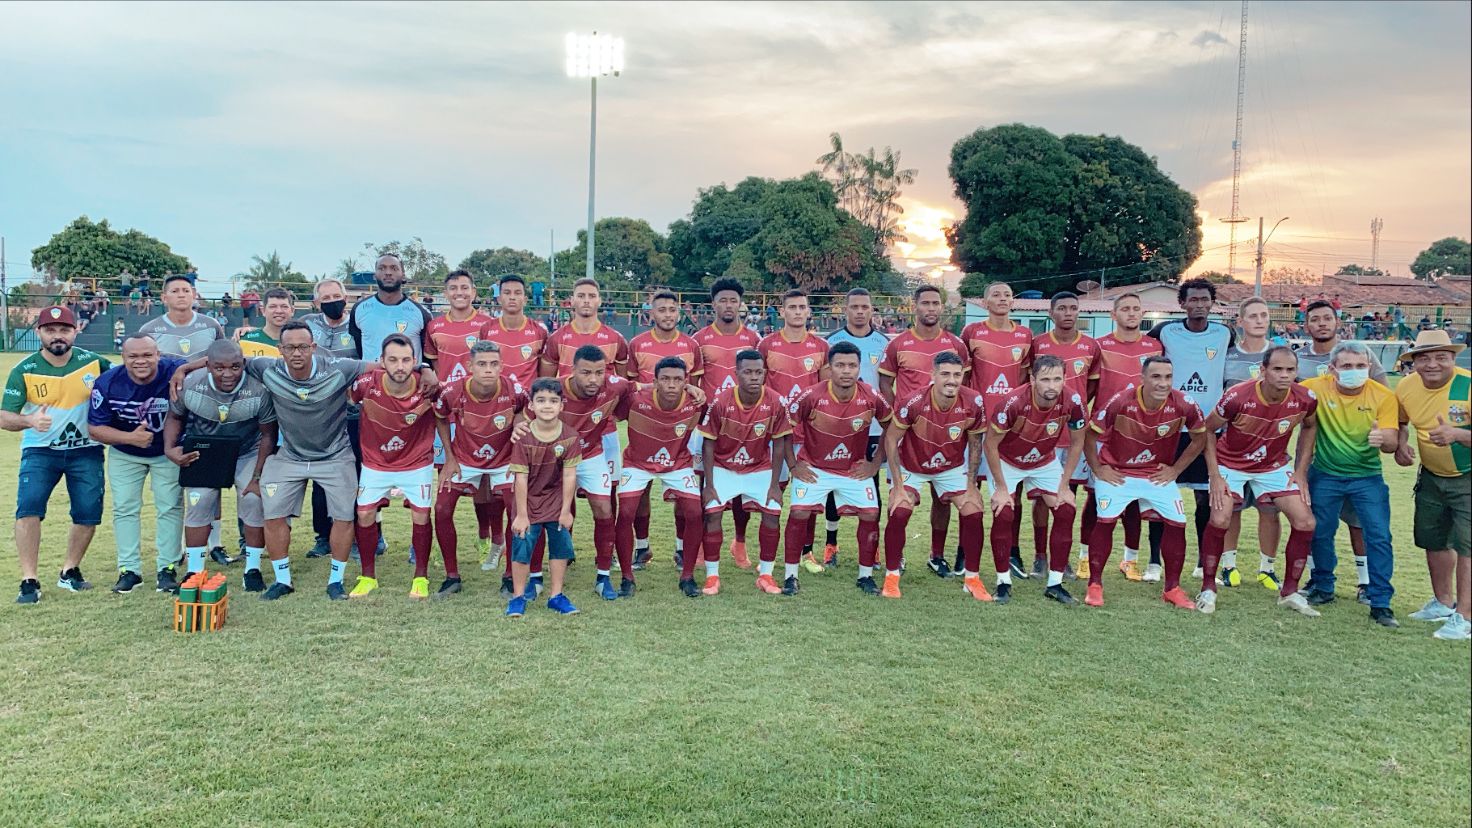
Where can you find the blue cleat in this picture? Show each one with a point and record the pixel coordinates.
(516, 607)
(604, 588)
(533, 588)
(561, 605)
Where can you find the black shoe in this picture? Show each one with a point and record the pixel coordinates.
(277, 590)
(168, 580)
(1318, 597)
(507, 587)
(940, 568)
(960, 561)
(253, 581)
(72, 579)
(448, 588)
(642, 557)
(1383, 616)
(1016, 569)
(1059, 594)
(1039, 567)
(1002, 594)
(335, 592)
(626, 588)
(679, 560)
(321, 550)
(688, 587)
(789, 586)
(867, 586)
(219, 556)
(30, 592)
(1362, 595)
(127, 579)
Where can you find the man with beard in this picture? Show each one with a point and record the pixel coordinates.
(387, 311)
(1079, 353)
(563, 344)
(46, 398)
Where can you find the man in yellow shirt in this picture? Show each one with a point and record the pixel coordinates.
(1437, 401)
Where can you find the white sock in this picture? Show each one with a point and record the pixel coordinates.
(832, 526)
(1004, 577)
(894, 572)
(1229, 559)
(338, 569)
(603, 573)
(253, 557)
(866, 571)
(966, 574)
(196, 558)
(1265, 563)
(1054, 578)
(283, 571)
(535, 576)
(712, 569)
(789, 571)
(641, 544)
(214, 535)
(1131, 554)
(1362, 569)
(679, 546)
(764, 567)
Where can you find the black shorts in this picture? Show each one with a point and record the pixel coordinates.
(1195, 475)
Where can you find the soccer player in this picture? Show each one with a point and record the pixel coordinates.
(481, 407)
(520, 337)
(387, 311)
(449, 336)
(223, 402)
(593, 401)
(1257, 420)
(1001, 351)
(265, 341)
(924, 445)
(1121, 354)
(1132, 447)
(181, 332)
(544, 462)
(1079, 353)
(660, 420)
(858, 328)
(830, 422)
(1020, 451)
(720, 342)
(560, 353)
(1244, 363)
(745, 430)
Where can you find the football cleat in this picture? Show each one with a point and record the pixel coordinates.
(1017, 570)
(790, 586)
(1057, 593)
(626, 588)
(811, 564)
(448, 587)
(830, 555)
(1230, 577)
(975, 588)
(891, 586)
(252, 581)
(1362, 595)
(939, 566)
(364, 587)
(1269, 581)
(1177, 597)
(419, 589)
(767, 584)
(276, 591)
(1298, 604)
(1004, 593)
(603, 588)
(1152, 573)
(507, 586)
(1094, 597)
(1082, 570)
(867, 586)
(1206, 601)
(1130, 570)
(561, 605)
(335, 592)
(687, 586)
(712, 585)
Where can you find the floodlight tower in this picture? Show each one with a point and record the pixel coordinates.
(593, 56)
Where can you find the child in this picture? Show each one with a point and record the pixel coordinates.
(544, 463)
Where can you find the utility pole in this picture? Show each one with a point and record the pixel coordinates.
(4, 302)
(1376, 225)
(1257, 283)
(1237, 218)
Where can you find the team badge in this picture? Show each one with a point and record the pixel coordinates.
(402, 326)
(224, 412)
(1283, 426)
(624, 481)
(1163, 429)
(346, 340)
(759, 429)
(270, 489)
(954, 432)
(302, 392)
(802, 491)
(1457, 413)
(500, 421)
(559, 450)
(470, 340)
(194, 498)
(680, 429)
(1078, 366)
(1322, 370)
(184, 346)
(807, 363)
(56, 313)
(1211, 353)
(1052, 428)
(1017, 353)
(873, 359)
(1103, 503)
(1254, 371)
(857, 423)
(526, 352)
(597, 417)
(410, 418)
(87, 379)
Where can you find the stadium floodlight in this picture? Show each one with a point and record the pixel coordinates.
(593, 56)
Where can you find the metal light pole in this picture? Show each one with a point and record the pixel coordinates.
(1261, 243)
(592, 56)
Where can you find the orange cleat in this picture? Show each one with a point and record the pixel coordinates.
(767, 585)
(1178, 598)
(891, 587)
(1095, 595)
(830, 555)
(712, 585)
(738, 554)
(975, 588)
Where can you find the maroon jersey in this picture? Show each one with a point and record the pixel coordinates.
(482, 427)
(448, 342)
(394, 433)
(1078, 358)
(1257, 433)
(1138, 441)
(565, 341)
(521, 348)
(835, 434)
(792, 367)
(597, 415)
(1027, 434)
(542, 463)
(1118, 364)
(647, 349)
(718, 356)
(659, 440)
(743, 436)
(910, 359)
(932, 438)
(999, 359)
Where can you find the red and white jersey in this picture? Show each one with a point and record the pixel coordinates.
(741, 436)
(793, 367)
(1078, 358)
(521, 348)
(1137, 440)
(1027, 434)
(910, 359)
(394, 433)
(932, 438)
(659, 440)
(597, 415)
(647, 349)
(482, 426)
(448, 342)
(718, 356)
(835, 434)
(1257, 433)
(1118, 365)
(565, 341)
(999, 359)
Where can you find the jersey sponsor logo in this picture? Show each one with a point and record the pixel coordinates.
(999, 386)
(680, 429)
(742, 457)
(1032, 456)
(728, 382)
(936, 461)
(839, 452)
(1143, 457)
(1283, 425)
(395, 443)
(858, 422)
(1162, 429)
(458, 372)
(954, 432)
(1194, 384)
(485, 452)
(1052, 428)
(662, 458)
(1259, 453)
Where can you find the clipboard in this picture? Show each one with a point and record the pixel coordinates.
(215, 466)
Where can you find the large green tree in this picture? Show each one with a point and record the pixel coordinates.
(1043, 211)
(628, 254)
(1445, 257)
(94, 249)
(487, 265)
(266, 272)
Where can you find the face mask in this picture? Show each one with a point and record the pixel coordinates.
(334, 309)
(1354, 378)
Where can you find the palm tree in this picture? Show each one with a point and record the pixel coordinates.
(838, 166)
(269, 272)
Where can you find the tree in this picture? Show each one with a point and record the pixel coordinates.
(1447, 257)
(488, 265)
(973, 286)
(1291, 276)
(1216, 277)
(1042, 209)
(269, 271)
(1359, 270)
(628, 255)
(421, 264)
(93, 249)
(868, 188)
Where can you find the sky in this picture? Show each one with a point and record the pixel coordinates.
(229, 130)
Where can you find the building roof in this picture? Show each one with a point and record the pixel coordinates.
(1085, 305)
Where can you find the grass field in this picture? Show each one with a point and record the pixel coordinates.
(742, 709)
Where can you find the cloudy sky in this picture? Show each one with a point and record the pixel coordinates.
(229, 130)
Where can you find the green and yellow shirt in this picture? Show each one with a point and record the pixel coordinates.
(66, 391)
(258, 343)
(1453, 403)
(1342, 447)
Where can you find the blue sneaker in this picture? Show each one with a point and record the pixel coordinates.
(559, 604)
(382, 545)
(533, 588)
(516, 607)
(604, 587)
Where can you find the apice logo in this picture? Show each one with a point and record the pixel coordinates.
(1032, 456)
(999, 385)
(485, 452)
(1194, 384)
(936, 461)
(395, 443)
(839, 452)
(662, 458)
(1143, 457)
(741, 457)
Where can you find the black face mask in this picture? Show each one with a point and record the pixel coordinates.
(334, 309)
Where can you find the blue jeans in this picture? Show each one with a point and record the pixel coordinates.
(1370, 498)
(559, 543)
(42, 468)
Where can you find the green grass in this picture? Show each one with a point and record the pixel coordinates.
(744, 709)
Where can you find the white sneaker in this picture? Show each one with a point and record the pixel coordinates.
(1298, 604)
(1206, 602)
(1434, 610)
(493, 558)
(1152, 573)
(1456, 628)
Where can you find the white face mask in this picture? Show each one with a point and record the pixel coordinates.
(1354, 378)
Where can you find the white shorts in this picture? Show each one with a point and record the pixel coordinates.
(849, 495)
(948, 484)
(595, 477)
(1268, 485)
(751, 487)
(378, 488)
(786, 474)
(1037, 482)
(697, 445)
(678, 483)
(1157, 502)
(469, 479)
(1082, 474)
(613, 454)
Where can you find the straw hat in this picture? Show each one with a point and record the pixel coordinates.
(1433, 340)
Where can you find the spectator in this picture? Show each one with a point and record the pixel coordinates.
(100, 303)
(1302, 307)
(135, 300)
(1338, 306)
(248, 302)
(193, 275)
(226, 301)
(118, 330)
(145, 285)
(125, 283)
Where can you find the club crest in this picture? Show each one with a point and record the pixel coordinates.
(402, 326)
(1078, 366)
(857, 423)
(759, 429)
(410, 418)
(500, 421)
(526, 352)
(184, 346)
(873, 359)
(194, 498)
(954, 432)
(807, 363)
(302, 393)
(1211, 353)
(559, 450)
(270, 489)
(597, 417)
(1052, 428)
(224, 412)
(56, 313)
(1162, 430)
(1283, 426)
(1017, 353)
(680, 429)
(470, 340)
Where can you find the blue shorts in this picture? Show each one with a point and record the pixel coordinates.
(559, 543)
(42, 468)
